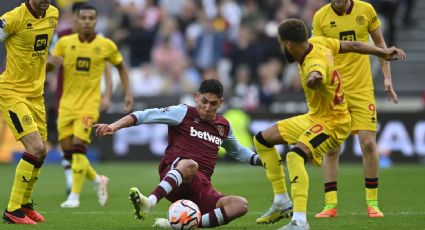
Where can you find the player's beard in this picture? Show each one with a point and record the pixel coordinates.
(289, 57)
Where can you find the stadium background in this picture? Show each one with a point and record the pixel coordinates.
(171, 45)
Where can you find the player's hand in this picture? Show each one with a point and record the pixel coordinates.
(314, 80)
(128, 104)
(103, 130)
(393, 54)
(104, 104)
(255, 160)
(389, 91)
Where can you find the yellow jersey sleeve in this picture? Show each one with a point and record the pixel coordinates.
(374, 19)
(58, 50)
(314, 64)
(317, 31)
(8, 22)
(114, 56)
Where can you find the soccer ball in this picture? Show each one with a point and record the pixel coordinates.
(184, 214)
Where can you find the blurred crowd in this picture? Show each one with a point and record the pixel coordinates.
(171, 45)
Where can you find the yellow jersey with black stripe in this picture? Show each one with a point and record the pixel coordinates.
(326, 103)
(83, 64)
(27, 39)
(354, 25)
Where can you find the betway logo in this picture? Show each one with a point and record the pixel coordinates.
(205, 135)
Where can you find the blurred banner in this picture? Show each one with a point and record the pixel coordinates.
(402, 135)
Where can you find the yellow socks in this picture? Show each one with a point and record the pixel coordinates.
(272, 162)
(331, 194)
(79, 167)
(28, 193)
(299, 181)
(23, 177)
(91, 173)
(371, 186)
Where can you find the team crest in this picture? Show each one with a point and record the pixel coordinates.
(360, 20)
(97, 50)
(3, 23)
(220, 130)
(52, 23)
(27, 120)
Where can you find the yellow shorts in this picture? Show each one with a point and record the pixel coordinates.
(24, 115)
(362, 107)
(75, 125)
(319, 137)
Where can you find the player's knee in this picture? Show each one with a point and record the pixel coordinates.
(37, 148)
(368, 146)
(188, 167)
(243, 206)
(296, 152)
(260, 139)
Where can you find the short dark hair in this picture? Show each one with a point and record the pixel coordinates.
(293, 30)
(76, 6)
(211, 86)
(86, 7)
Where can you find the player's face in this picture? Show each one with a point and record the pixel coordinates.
(41, 5)
(87, 21)
(207, 105)
(286, 51)
(340, 5)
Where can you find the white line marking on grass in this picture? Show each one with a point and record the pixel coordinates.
(357, 213)
(249, 213)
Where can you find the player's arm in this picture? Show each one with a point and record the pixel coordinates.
(172, 115)
(53, 62)
(3, 35)
(379, 41)
(106, 98)
(314, 80)
(389, 54)
(239, 152)
(122, 70)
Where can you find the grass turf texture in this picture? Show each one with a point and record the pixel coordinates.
(401, 194)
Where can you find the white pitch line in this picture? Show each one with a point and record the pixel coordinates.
(249, 213)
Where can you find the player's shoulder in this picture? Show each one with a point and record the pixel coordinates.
(52, 11)
(362, 4)
(15, 12)
(361, 7)
(323, 11)
(104, 39)
(320, 41)
(68, 38)
(221, 120)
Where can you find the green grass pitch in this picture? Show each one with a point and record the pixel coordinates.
(402, 197)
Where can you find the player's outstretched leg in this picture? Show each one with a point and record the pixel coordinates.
(276, 212)
(141, 204)
(293, 226)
